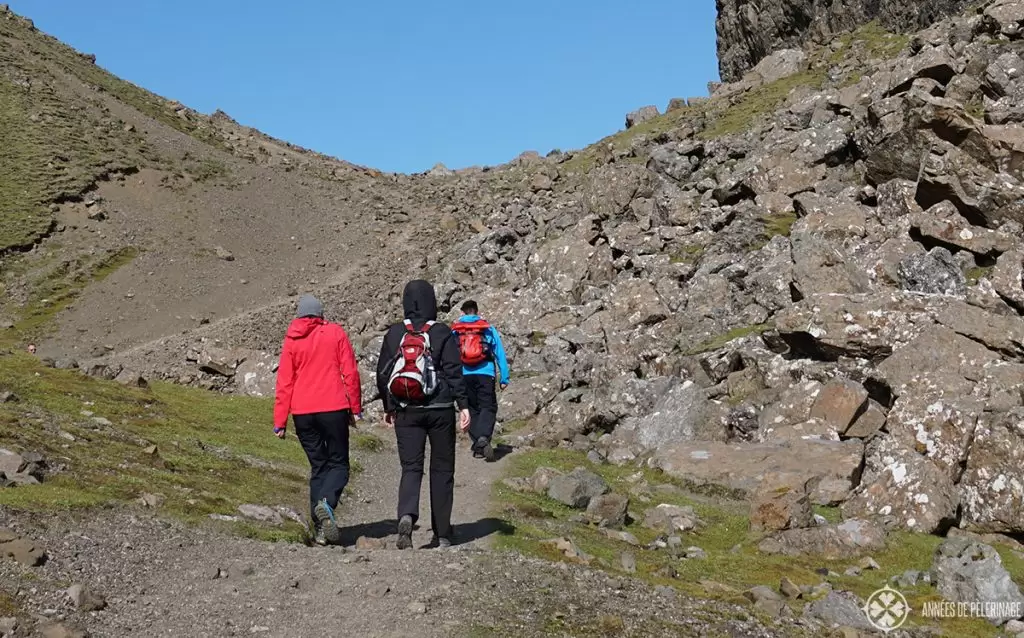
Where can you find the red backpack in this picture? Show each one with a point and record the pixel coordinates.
(474, 345)
(413, 376)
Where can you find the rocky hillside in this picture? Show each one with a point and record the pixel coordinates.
(805, 290)
(749, 30)
(817, 270)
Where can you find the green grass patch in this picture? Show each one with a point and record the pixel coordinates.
(721, 340)
(975, 109)
(367, 441)
(208, 170)
(515, 425)
(60, 287)
(774, 226)
(852, 79)
(977, 273)
(56, 143)
(587, 159)
(8, 605)
(874, 39)
(214, 452)
(756, 103)
(830, 514)
(733, 559)
(688, 254)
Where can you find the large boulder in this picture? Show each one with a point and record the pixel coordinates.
(684, 413)
(641, 115)
(1006, 17)
(934, 273)
(577, 488)
(610, 190)
(841, 609)
(780, 64)
(781, 503)
(902, 489)
(949, 155)
(525, 397)
(839, 404)
(256, 376)
(992, 488)
(864, 325)
(740, 468)
(844, 540)
(971, 572)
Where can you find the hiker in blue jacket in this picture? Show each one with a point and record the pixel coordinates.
(481, 348)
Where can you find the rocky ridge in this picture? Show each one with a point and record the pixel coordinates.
(749, 31)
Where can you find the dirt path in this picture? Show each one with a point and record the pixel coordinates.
(370, 506)
(167, 579)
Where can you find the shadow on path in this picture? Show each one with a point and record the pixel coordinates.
(501, 451)
(464, 532)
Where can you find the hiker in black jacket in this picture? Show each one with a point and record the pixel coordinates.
(420, 396)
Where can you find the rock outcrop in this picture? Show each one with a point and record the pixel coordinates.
(750, 30)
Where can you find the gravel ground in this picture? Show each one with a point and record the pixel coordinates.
(166, 579)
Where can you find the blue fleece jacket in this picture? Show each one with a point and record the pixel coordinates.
(487, 367)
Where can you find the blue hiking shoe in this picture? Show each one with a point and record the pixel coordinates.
(327, 523)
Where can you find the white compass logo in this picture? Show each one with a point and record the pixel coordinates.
(887, 609)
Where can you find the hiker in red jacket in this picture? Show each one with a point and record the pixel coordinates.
(318, 384)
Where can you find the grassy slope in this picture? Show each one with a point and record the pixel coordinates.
(57, 142)
(733, 559)
(54, 148)
(213, 452)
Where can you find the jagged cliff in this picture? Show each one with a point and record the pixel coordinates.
(749, 30)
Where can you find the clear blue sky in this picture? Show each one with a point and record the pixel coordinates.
(402, 85)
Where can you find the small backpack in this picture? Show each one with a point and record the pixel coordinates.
(414, 378)
(474, 344)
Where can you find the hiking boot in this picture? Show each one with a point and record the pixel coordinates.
(326, 522)
(319, 538)
(486, 450)
(444, 543)
(405, 532)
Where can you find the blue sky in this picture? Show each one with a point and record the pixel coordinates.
(402, 85)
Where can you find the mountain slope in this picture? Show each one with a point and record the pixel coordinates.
(799, 300)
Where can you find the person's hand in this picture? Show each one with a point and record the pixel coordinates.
(280, 432)
(463, 420)
(355, 419)
(502, 386)
(389, 419)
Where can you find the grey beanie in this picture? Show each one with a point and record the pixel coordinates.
(310, 306)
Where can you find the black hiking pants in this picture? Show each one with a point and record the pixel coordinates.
(413, 428)
(483, 406)
(324, 437)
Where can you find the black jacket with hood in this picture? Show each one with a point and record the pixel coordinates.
(420, 306)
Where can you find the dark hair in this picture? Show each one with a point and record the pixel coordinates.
(469, 307)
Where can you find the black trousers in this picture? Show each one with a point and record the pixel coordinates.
(483, 406)
(324, 437)
(413, 428)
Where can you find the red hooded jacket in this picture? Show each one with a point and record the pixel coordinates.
(318, 371)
